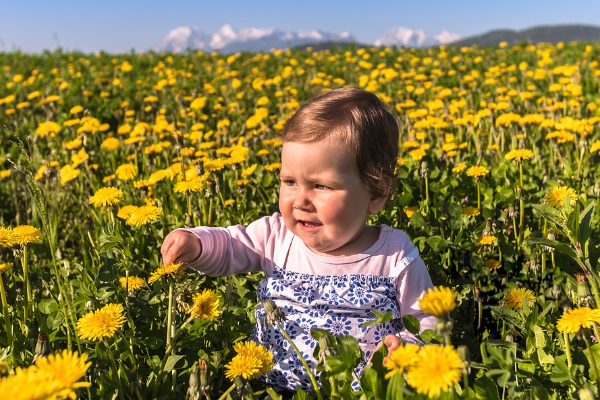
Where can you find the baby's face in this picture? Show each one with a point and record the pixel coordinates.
(322, 198)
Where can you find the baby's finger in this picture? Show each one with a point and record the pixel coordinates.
(375, 351)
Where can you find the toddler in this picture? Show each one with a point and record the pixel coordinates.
(324, 266)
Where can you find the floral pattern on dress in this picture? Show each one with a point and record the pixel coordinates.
(338, 304)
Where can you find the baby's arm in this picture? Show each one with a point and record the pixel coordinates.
(223, 251)
(411, 284)
(180, 246)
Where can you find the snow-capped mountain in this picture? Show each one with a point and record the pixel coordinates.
(228, 40)
(401, 36)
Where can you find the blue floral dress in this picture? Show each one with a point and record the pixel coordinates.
(338, 304)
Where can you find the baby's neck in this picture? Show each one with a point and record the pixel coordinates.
(363, 241)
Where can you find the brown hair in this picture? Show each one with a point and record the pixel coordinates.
(360, 120)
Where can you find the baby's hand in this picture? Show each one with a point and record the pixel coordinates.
(392, 342)
(180, 246)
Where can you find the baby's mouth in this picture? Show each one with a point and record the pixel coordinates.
(309, 224)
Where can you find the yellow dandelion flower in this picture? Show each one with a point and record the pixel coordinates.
(68, 173)
(56, 376)
(166, 271)
(102, 323)
(106, 196)
(515, 297)
(417, 154)
(478, 171)
(556, 196)
(409, 211)
(135, 283)
(492, 264)
(438, 301)
(206, 305)
(487, 240)
(228, 202)
(27, 234)
(126, 172)
(401, 359)
(190, 186)
(4, 174)
(272, 167)
(75, 110)
(5, 267)
(251, 361)
(244, 366)
(460, 167)
(126, 211)
(8, 237)
(595, 146)
(470, 211)
(143, 215)
(572, 321)
(519, 155)
(437, 370)
(249, 171)
(111, 144)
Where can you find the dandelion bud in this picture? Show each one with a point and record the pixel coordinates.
(519, 194)
(326, 349)
(534, 266)
(512, 213)
(184, 299)
(193, 392)
(424, 169)
(274, 314)
(42, 348)
(188, 221)
(465, 355)
(204, 375)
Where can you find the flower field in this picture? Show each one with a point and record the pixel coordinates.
(101, 156)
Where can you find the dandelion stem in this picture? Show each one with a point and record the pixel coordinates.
(568, 350)
(170, 313)
(227, 392)
(592, 358)
(545, 235)
(7, 324)
(27, 286)
(478, 197)
(427, 195)
(115, 370)
(167, 354)
(310, 374)
(522, 206)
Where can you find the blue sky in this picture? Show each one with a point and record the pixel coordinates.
(121, 25)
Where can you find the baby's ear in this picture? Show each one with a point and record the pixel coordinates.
(377, 203)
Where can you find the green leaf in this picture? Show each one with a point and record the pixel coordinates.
(394, 389)
(47, 305)
(273, 394)
(562, 247)
(437, 243)
(525, 369)
(552, 215)
(417, 220)
(412, 324)
(171, 361)
(485, 389)
(538, 391)
(509, 316)
(585, 223)
(301, 395)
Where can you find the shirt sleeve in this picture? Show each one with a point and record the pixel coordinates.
(236, 249)
(412, 281)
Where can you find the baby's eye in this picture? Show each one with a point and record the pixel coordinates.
(321, 187)
(288, 182)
